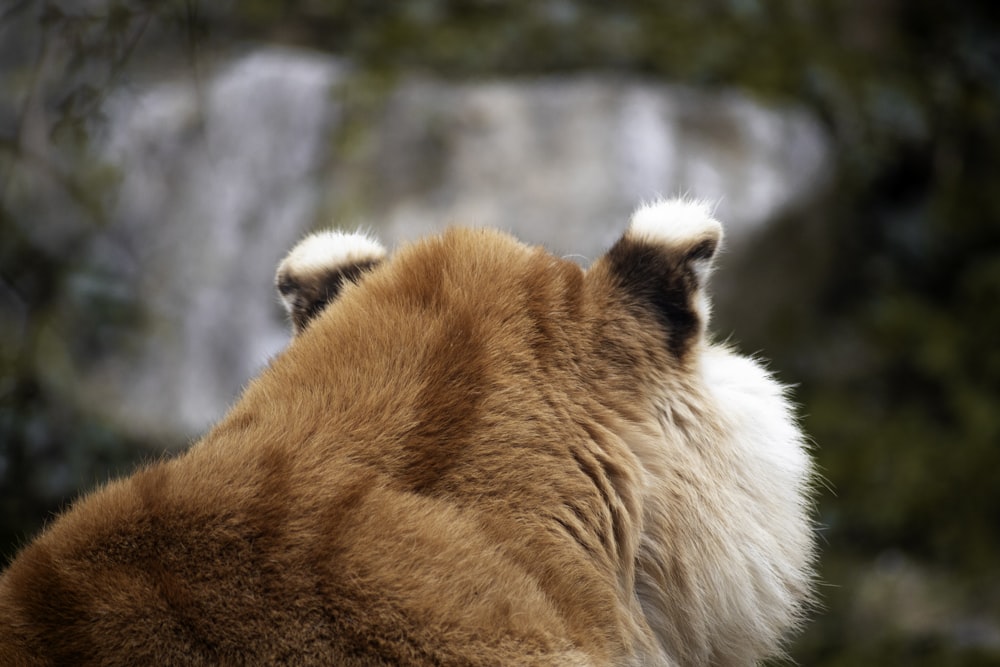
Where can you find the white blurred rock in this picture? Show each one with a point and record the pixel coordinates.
(564, 161)
(220, 179)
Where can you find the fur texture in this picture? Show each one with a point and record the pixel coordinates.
(472, 452)
(317, 268)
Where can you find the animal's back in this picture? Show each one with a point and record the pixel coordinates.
(449, 464)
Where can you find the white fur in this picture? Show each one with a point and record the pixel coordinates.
(772, 544)
(674, 222)
(756, 406)
(329, 249)
(741, 530)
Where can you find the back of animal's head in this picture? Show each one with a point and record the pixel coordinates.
(700, 467)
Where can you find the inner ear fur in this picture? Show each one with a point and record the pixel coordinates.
(663, 262)
(316, 270)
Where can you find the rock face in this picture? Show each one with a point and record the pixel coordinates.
(221, 179)
(218, 181)
(563, 161)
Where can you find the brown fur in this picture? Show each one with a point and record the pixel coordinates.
(444, 467)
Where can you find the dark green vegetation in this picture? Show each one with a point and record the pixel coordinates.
(889, 291)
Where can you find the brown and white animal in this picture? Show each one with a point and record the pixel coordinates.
(471, 453)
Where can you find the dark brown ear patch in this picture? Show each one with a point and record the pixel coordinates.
(663, 262)
(317, 269)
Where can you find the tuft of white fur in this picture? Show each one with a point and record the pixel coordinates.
(330, 249)
(740, 531)
(758, 410)
(675, 222)
(773, 477)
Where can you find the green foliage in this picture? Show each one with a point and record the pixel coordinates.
(59, 308)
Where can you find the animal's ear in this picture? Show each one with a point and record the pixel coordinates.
(314, 272)
(663, 262)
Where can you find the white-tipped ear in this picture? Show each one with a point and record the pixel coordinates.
(663, 262)
(327, 250)
(315, 270)
(679, 223)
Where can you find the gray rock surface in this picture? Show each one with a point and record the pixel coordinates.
(220, 179)
(563, 161)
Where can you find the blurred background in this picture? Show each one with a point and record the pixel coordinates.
(158, 158)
